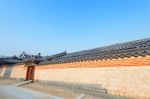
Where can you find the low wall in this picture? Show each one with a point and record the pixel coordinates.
(1, 71)
(15, 72)
(125, 77)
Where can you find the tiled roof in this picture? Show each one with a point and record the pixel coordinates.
(9, 61)
(56, 55)
(120, 50)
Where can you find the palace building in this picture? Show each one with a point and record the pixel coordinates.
(122, 69)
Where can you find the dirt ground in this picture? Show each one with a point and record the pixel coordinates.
(66, 93)
(8, 81)
(55, 91)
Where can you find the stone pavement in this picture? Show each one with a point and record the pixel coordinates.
(12, 92)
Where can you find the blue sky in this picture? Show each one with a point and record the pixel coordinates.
(52, 26)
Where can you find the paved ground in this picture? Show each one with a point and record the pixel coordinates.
(22, 93)
(8, 90)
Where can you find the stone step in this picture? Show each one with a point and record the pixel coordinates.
(23, 83)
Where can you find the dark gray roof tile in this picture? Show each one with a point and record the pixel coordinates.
(127, 49)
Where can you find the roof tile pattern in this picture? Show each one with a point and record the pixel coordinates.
(120, 50)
